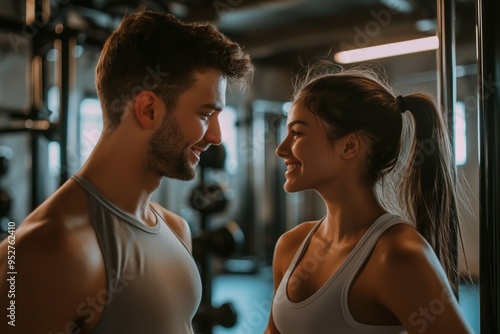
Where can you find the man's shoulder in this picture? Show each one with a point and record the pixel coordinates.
(176, 222)
(67, 201)
(57, 257)
(45, 239)
(57, 229)
(170, 217)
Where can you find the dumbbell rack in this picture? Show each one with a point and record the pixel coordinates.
(5, 198)
(207, 315)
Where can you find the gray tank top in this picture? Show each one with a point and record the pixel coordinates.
(327, 311)
(153, 283)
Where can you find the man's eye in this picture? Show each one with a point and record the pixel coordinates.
(206, 117)
(295, 133)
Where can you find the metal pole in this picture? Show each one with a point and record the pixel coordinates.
(35, 15)
(447, 93)
(63, 80)
(488, 28)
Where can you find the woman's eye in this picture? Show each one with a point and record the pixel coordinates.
(206, 117)
(295, 133)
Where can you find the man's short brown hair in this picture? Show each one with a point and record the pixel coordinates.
(156, 52)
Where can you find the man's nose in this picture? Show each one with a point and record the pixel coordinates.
(213, 134)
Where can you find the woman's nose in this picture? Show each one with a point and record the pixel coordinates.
(283, 149)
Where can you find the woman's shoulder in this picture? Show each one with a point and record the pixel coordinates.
(406, 276)
(402, 242)
(296, 235)
(289, 242)
(400, 252)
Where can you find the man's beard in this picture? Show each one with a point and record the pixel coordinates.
(168, 155)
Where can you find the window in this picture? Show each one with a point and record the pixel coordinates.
(227, 122)
(460, 135)
(90, 127)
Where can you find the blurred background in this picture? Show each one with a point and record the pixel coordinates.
(50, 119)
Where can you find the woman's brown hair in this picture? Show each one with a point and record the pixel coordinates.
(408, 149)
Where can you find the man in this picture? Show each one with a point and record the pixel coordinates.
(98, 256)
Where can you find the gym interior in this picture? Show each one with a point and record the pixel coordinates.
(50, 119)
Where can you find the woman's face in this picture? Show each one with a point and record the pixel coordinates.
(311, 159)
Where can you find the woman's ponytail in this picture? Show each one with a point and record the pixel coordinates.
(428, 188)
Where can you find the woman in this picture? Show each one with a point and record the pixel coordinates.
(362, 268)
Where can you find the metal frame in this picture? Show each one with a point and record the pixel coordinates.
(488, 27)
(447, 96)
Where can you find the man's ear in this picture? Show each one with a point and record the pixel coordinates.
(144, 109)
(351, 145)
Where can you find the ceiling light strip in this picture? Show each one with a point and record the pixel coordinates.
(387, 50)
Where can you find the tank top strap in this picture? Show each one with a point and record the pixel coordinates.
(364, 249)
(303, 247)
(98, 197)
(368, 241)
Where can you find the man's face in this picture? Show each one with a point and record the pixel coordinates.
(189, 129)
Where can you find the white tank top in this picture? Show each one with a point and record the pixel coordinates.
(327, 311)
(153, 283)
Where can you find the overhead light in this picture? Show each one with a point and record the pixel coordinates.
(387, 50)
(178, 9)
(401, 6)
(426, 25)
(286, 107)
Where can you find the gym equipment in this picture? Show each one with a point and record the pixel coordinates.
(5, 202)
(5, 198)
(224, 315)
(5, 155)
(223, 242)
(214, 157)
(209, 198)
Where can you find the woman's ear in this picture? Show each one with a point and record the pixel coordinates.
(351, 145)
(144, 109)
